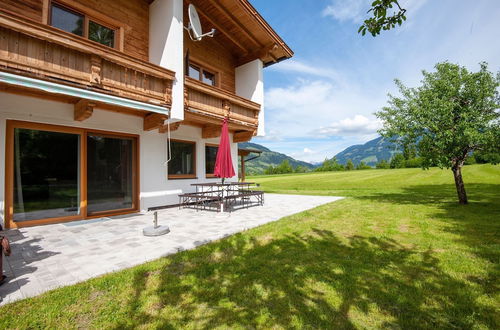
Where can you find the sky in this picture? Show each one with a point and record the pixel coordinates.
(323, 100)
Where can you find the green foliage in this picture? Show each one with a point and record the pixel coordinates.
(383, 164)
(483, 157)
(349, 166)
(398, 161)
(452, 114)
(363, 166)
(413, 162)
(301, 169)
(282, 168)
(382, 18)
(330, 165)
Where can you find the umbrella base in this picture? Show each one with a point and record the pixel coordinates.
(155, 231)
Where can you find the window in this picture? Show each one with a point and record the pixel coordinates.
(210, 156)
(183, 161)
(101, 34)
(198, 73)
(67, 20)
(47, 178)
(77, 23)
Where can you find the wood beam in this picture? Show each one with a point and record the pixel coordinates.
(210, 131)
(259, 53)
(173, 127)
(83, 109)
(242, 136)
(153, 121)
(223, 31)
(236, 22)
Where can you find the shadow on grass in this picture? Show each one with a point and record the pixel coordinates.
(314, 280)
(475, 224)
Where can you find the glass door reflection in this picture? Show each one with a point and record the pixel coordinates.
(110, 179)
(46, 174)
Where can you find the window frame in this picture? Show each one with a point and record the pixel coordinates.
(11, 125)
(88, 15)
(209, 175)
(184, 176)
(202, 69)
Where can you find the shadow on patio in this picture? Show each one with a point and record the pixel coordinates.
(18, 266)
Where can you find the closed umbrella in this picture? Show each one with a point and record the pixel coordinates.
(224, 162)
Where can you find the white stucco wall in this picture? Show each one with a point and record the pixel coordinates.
(250, 85)
(166, 46)
(155, 188)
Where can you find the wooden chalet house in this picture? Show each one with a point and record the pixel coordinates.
(90, 89)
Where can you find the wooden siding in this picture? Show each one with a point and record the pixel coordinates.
(31, 9)
(211, 55)
(213, 102)
(43, 52)
(133, 14)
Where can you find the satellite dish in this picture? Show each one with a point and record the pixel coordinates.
(194, 27)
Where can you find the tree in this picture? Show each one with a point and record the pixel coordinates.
(452, 114)
(381, 20)
(383, 164)
(330, 165)
(301, 169)
(284, 167)
(362, 166)
(349, 166)
(397, 161)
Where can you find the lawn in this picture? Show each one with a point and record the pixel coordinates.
(398, 252)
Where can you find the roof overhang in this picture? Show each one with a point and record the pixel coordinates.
(244, 29)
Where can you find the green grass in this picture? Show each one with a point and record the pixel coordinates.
(398, 252)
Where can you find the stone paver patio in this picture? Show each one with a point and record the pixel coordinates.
(47, 257)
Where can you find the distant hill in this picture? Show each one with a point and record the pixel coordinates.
(268, 157)
(371, 152)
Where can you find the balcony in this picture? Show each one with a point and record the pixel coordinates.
(36, 50)
(206, 103)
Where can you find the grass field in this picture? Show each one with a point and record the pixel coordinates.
(398, 252)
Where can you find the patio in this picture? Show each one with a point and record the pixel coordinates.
(47, 257)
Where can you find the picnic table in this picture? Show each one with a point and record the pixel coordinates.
(210, 195)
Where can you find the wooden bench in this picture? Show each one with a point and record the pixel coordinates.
(245, 198)
(201, 200)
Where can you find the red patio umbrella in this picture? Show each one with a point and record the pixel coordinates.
(224, 162)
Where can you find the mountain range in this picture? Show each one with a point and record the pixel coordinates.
(371, 152)
(268, 157)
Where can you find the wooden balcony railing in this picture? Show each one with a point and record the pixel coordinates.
(35, 49)
(215, 102)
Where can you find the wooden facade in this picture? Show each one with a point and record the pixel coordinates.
(41, 51)
(31, 47)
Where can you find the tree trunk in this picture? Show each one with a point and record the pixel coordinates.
(459, 183)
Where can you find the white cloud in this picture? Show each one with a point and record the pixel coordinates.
(347, 10)
(296, 66)
(308, 151)
(357, 125)
(307, 106)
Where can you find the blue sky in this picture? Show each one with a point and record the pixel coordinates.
(323, 99)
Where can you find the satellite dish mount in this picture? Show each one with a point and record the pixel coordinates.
(194, 26)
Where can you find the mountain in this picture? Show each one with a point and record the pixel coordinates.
(268, 157)
(371, 152)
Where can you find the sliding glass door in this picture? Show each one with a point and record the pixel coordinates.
(46, 174)
(109, 173)
(57, 173)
